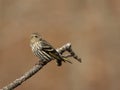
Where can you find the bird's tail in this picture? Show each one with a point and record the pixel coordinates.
(59, 61)
(66, 60)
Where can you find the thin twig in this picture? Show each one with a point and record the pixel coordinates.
(38, 67)
(68, 48)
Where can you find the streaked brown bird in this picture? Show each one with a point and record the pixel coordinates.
(44, 50)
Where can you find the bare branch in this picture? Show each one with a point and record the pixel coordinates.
(38, 67)
(68, 48)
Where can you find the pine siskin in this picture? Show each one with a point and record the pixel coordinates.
(43, 50)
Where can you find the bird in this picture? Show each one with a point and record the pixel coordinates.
(44, 50)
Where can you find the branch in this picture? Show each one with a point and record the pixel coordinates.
(39, 66)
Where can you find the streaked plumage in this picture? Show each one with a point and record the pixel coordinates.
(43, 50)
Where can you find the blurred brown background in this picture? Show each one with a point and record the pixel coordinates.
(92, 26)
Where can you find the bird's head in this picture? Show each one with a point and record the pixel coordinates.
(35, 37)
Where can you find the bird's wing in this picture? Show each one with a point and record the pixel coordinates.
(47, 46)
(50, 49)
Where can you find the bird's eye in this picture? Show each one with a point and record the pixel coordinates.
(36, 36)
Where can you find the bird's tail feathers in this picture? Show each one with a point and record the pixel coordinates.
(66, 60)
